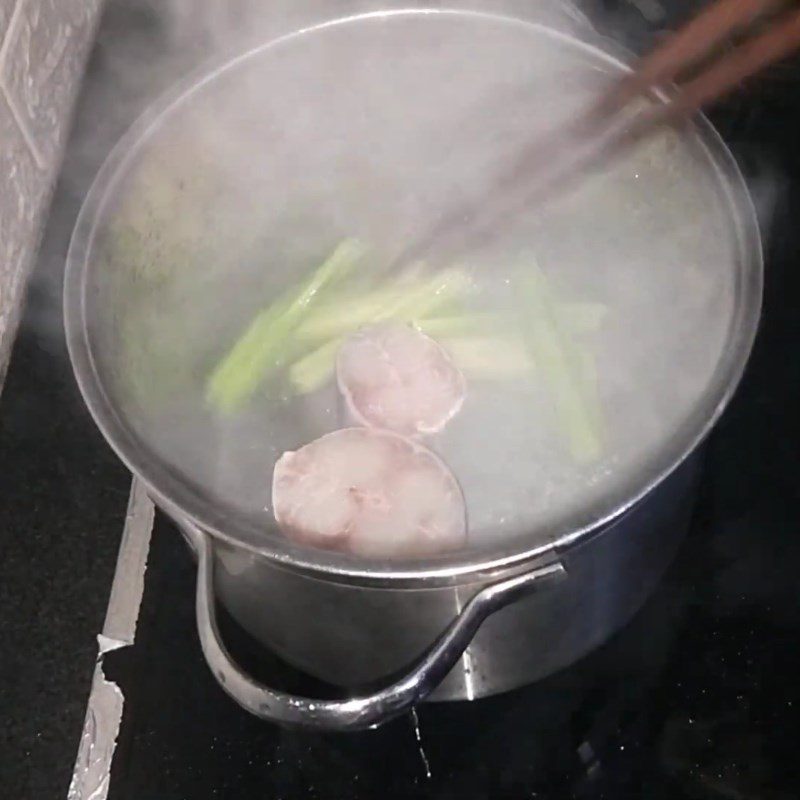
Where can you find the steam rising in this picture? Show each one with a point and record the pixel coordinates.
(369, 134)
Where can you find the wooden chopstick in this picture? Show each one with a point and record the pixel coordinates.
(743, 62)
(685, 48)
(558, 158)
(717, 80)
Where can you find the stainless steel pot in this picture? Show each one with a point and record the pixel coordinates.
(473, 639)
(458, 626)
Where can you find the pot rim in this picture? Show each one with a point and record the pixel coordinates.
(170, 491)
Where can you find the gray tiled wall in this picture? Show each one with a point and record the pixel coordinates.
(43, 46)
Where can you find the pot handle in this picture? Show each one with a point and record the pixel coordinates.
(364, 711)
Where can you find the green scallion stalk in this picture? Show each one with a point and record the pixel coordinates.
(262, 348)
(424, 297)
(561, 365)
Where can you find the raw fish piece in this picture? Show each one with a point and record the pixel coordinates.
(395, 377)
(369, 492)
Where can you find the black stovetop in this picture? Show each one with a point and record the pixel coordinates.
(696, 698)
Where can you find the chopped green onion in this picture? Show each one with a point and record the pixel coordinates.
(489, 358)
(560, 362)
(423, 297)
(262, 348)
(314, 370)
(461, 325)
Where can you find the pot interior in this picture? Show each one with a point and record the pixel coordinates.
(369, 128)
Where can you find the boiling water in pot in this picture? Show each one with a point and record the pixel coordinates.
(247, 184)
